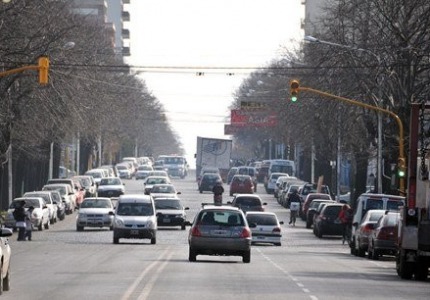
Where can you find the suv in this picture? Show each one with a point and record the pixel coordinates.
(220, 230)
(134, 218)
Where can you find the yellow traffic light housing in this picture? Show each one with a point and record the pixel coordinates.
(294, 90)
(43, 70)
(401, 168)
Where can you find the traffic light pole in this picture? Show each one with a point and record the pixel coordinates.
(42, 67)
(401, 159)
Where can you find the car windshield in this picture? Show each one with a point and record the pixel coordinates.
(95, 174)
(44, 196)
(262, 219)
(394, 205)
(110, 181)
(85, 182)
(96, 203)
(155, 180)
(332, 210)
(28, 202)
(245, 201)
(167, 204)
(60, 189)
(168, 189)
(220, 218)
(135, 209)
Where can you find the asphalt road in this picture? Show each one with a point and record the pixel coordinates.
(61, 263)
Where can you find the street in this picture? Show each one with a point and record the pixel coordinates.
(61, 263)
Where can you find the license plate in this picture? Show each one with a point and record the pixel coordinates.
(219, 232)
(134, 232)
(166, 220)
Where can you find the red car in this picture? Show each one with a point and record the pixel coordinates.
(241, 184)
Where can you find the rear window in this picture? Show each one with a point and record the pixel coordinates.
(394, 205)
(391, 219)
(221, 218)
(374, 217)
(248, 201)
(332, 210)
(374, 204)
(135, 209)
(262, 219)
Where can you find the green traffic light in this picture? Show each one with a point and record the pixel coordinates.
(401, 173)
(293, 98)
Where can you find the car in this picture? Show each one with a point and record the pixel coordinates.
(251, 171)
(76, 187)
(363, 231)
(175, 165)
(124, 171)
(248, 202)
(67, 195)
(49, 201)
(97, 174)
(112, 171)
(220, 230)
(110, 187)
(88, 183)
(308, 200)
(207, 170)
(143, 171)
(271, 183)
(61, 206)
(5, 257)
(40, 216)
(317, 213)
(95, 212)
(170, 212)
(230, 174)
(383, 240)
(313, 209)
(308, 188)
(79, 191)
(134, 218)
(208, 181)
(165, 190)
(265, 227)
(326, 221)
(241, 184)
(279, 186)
(151, 180)
(159, 173)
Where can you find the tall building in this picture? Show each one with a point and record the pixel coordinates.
(313, 12)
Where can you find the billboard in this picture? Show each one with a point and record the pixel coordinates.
(249, 118)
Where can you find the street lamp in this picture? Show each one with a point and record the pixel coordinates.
(312, 39)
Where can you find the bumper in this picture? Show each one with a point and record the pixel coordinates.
(94, 222)
(126, 233)
(220, 246)
(384, 246)
(111, 193)
(326, 228)
(165, 220)
(262, 238)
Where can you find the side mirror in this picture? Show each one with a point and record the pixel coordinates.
(159, 214)
(252, 225)
(229, 202)
(264, 203)
(178, 193)
(188, 223)
(54, 202)
(111, 213)
(281, 222)
(186, 208)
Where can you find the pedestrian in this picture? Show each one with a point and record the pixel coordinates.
(29, 223)
(295, 203)
(19, 216)
(345, 219)
(218, 189)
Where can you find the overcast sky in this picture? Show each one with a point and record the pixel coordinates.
(206, 33)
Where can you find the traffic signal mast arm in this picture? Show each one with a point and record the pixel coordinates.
(401, 158)
(42, 67)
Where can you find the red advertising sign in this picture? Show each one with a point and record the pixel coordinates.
(256, 118)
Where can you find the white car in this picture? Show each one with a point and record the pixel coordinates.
(165, 190)
(95, 212)
(265, 227)
(97, 174)
(110, 187)
(49, 200)
(67, 194)
(151, 180)
(5, 254)
(40, 216)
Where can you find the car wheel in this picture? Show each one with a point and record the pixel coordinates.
(183, 227)
(6, 281)
(47, 224)
(40, 227)
(308, 224)
(277, 244)
(79, 228)
(246, 257)
(361, 252)
(421, 270)
(404, 269)
(111, 228)
(375, 254)
(115, 240)
(201, 191)
(61, 217)
(192, 255)
(153, 241)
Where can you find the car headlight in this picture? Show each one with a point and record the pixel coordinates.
(119, 222)
(150, 224)
(81, 216)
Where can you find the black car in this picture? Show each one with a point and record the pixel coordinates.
(326, 224)
(312, 210)
(208, 181)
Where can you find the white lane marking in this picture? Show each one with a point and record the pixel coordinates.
(300, 285)
(150, 284)
(136, 282)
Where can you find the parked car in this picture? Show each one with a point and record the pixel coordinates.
(49, 201)
(313, 209)
(208, 181)
(40, 215)
(88, 183)
(288, 190)
(61, 206)
(5, 257)
(383, 240)
(170, 212)
(164, 190)
(251, 171)
(265, 227)
(134, 218)
(151, 180)
(248, 202)
(97, 174)
(363, 231)
(271, 183)
(220, 230)
(76, 188)
(326, 221)
(317, 213)
(230, 174)
(95, 212)
(67, 195)
(308, 200)
(308, 188)
(279, 186)
(110, 187)
(241, 184)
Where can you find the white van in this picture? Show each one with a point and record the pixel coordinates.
(135, 218)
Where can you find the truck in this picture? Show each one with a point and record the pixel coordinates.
(213, 152)
(413, 253)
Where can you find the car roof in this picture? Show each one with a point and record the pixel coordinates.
(247, 196)
(261, 213)
(217, 207)
(131, 198)
(370, 195)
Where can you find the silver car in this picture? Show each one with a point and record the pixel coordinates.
(220, 230)
(95, 212)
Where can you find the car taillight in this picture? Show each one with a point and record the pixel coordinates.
(386, 234)
(195, 231)
(276, 230)
(246, 233)
(367, 228)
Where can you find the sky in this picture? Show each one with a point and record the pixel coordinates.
(182, 37)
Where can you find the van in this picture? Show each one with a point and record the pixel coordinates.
(368, 201)
(135, 218)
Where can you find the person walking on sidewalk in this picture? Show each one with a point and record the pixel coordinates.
(19, 216)
(29, 223)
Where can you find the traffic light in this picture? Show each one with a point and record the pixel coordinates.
(294, 90)
(43, 70)
(401, 169)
